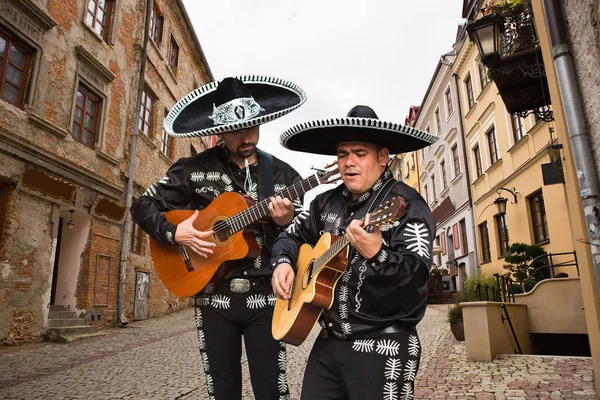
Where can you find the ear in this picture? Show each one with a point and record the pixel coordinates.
(384, 156)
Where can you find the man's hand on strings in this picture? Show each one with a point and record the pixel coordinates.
(281, 210)
(282, 280)
(196, 240)
(367, 244)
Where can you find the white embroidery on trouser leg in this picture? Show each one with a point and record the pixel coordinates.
(284, 392)
(202, 347)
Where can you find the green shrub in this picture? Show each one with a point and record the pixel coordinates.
(455, 313)
(469, 293)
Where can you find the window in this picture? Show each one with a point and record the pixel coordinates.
(4, 197)
(438, 124)
(455, 160)
(439, 255)
(426, 194)
(491, 135)
(485, 242)
(166, 143)
(538, 218)
(483, 75)
(443, 240)
(414, 162)
(433, 191)
(449, 106)
(444, 178)
(517, 126)
(145, 122)
(14, 69)
(173, 55)
(462, 226)
(156, 25)
(541, 110)
(135, 242)
(85, 117)
(469, 89)
(98, 16)
(477, 157)
(455, 237)
(502, 229)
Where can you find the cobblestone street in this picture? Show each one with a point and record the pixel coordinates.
(159, 359)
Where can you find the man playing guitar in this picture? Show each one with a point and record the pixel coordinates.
(368, 347)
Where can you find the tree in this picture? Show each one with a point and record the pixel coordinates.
(522, 261)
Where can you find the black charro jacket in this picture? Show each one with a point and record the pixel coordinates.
(193, 183)
(389, 288)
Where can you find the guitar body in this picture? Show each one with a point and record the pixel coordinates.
(186, 279)
(294, 319)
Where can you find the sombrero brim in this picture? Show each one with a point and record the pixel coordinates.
(323, 136)
(189, 117)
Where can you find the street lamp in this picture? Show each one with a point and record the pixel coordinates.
(486, 32)
(71, 224)
(500, 202)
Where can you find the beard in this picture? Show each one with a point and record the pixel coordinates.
(245, 152)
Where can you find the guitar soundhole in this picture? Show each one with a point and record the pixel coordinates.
(307, 275)
(221, 236)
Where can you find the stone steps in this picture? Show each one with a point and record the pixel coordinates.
(65, 326)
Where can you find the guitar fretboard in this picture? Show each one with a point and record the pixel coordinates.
(328, 255)
(250, 215)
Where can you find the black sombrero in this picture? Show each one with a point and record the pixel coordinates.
(361, 124)
(235, 103)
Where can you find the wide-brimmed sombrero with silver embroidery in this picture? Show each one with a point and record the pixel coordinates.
(361, 124)
(235, 103)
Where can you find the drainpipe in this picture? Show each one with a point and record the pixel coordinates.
(578, 136)
(132, 159)
(467, 173)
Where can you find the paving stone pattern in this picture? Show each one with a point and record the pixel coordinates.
(159, 359)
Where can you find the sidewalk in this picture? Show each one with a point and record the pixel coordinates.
(159, 359)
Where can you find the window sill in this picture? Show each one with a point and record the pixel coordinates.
(172, 73)
(543, 243)
(479, 178)
(445, 191)
(165, 158)
(110, 159)
(94, 33)
(486, 261)
(473, 107)
(456, 178)
(483, 91)
(157, 48)
(146, 139)
(520, 143)
(494, 166)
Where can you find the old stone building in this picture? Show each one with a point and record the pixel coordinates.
(69, 79)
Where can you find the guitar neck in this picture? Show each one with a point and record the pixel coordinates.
(260, 210)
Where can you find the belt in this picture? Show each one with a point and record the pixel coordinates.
(394, 328)
(243, 285)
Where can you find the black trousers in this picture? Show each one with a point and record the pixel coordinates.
(222, 319)
(380, 368)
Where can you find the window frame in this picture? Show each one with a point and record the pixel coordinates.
(438, 121)
(484, 236)
(545, 238)
(97, 116)
(135, 239)
(29, 52)
(146, 95)
(483, 75)
(108, 18)
(518, 131)
(157, 19)
(455, 159)
(444, 176)
(503, 235)
(433, 188)
(493, 145)
(168, 147)
(478, 164)
(173, 64)
(469, 90)
(449, 105)
(462, 227)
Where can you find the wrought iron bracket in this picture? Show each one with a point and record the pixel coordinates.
(545, 115)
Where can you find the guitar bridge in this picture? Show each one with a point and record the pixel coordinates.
(186, 258)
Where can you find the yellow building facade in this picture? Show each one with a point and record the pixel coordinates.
(505, 156)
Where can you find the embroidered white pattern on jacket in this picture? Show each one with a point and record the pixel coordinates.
(413, 346)
(344, 293)
(377, 185)
(278, 187)
(347, 275)
(361, 277)
(364, 346)
(169, 237)
(346, 328)
(344, 310)
(383, 256)
(390, 391)
(364, 197)
(213, 176)
(407, 392)
(203, 300)
(297, 221)
(202, 347)
(225, 178)
(207, 189)
(256, 301)
(387, 347)
(201, 341)
(387, 226)
(209, 288)
(393, 369)
(220, 301)
(197, 176)
(330, 218)
(257, 262)
(271, 299)
(418, 235)
(228, 188)
(198, 317)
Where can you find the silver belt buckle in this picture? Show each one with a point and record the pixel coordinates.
(239, 285)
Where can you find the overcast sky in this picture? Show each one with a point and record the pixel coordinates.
(381, 53)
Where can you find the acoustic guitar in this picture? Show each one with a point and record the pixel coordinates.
(184, 272)
(319, 268)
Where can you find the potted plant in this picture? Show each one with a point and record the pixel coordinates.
(455, 317)
(509, 8)
(523, 260)
(443, 270)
